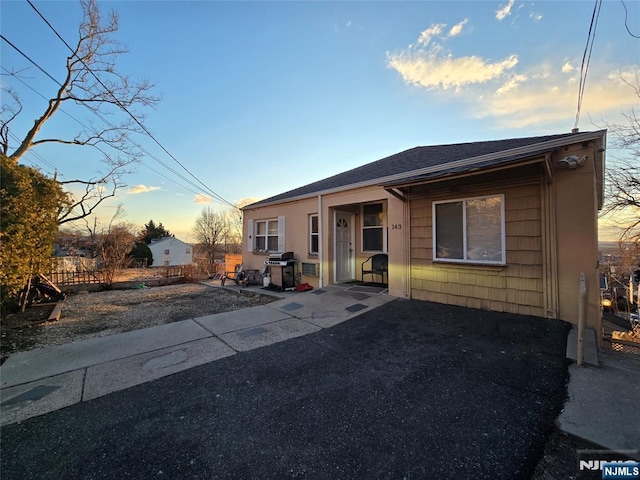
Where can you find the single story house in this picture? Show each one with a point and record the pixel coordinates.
(504, 225)
(169, 251)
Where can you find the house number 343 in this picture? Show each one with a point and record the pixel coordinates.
(396, 226)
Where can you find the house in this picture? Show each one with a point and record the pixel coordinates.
(505, 225)
(169, 251)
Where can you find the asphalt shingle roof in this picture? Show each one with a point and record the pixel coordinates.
(417, 158)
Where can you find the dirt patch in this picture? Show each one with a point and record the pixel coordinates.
(87, 315)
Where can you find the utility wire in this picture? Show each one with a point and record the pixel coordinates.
(626, 15)
(133, 117)
(108, 123)
(584, 68)
(38, 160)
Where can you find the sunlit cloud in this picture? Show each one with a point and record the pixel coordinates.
(243, 202)
(457, 28)
(431, 71)
(505, 10)
(511, 84)
(515, 95)
(427, 34)
(137, 189)
(202, 199)
(427, 65)
(522, 102)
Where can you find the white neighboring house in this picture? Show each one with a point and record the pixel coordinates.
(170, 251)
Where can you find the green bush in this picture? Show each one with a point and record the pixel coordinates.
(29, 206)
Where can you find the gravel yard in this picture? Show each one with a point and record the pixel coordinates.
(87, 315)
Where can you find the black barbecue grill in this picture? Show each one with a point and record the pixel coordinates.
(282, 267)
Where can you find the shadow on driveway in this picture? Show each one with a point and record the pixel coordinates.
(408, 390)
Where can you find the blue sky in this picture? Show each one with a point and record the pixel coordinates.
(262, 97)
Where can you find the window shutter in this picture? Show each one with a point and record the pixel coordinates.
(249, 237)
(281, 230)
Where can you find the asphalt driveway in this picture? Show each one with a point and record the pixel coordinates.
(410, 390)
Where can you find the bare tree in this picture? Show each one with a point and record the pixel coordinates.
(91, 80)
(211, 230)
(114, 246)
(623, 174)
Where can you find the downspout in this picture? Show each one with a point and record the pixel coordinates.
(320, 243)
(407, 245)
(549, 250)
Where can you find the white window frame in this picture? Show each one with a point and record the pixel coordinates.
(464, 201)
(313, 234)
(253, 232)
(382, 227)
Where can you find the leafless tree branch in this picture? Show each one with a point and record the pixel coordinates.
(92, 80)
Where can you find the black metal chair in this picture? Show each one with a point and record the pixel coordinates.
(378, 265)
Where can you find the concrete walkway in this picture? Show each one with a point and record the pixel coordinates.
(43, 380)
(603, 404)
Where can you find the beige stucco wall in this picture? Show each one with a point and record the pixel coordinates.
(577, 236)
(297, 234)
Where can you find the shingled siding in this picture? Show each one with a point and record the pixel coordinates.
(516, 287)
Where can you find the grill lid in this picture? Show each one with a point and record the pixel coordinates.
(280, 256)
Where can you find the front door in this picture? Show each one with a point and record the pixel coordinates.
(344, 247)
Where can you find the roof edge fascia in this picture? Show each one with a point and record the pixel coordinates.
(535, 147)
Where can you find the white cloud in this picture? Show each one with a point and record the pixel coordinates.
(137, 189)
(457, 28)
(536, 17)
(428, 65)
(505, 10)
(431, 71)
(427, 34)
(552, 98)
(511, 84)
(541, 95)
(202, 199)
(348, 23)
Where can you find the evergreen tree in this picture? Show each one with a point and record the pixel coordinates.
(151, 231)
(29, 208)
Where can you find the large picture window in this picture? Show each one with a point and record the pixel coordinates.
(469, 230)
(373, 228)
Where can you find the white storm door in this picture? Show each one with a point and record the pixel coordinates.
(344, 257)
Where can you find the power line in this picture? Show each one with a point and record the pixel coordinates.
(140, 147)
(584, 68)
(124, 108)
(626, 25)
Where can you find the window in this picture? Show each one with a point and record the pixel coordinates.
(314, 237)
(166, 252)
(373, 228)
(469, 230)
(269, 235)
(188, 251)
